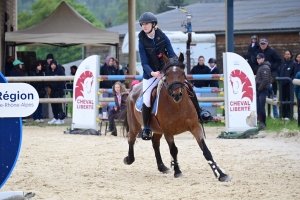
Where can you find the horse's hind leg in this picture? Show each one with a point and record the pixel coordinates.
(155, 144)
(215, 168)
(174, 152)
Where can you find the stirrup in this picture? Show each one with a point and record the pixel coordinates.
(146, 133)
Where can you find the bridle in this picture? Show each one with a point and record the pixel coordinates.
(174, 85)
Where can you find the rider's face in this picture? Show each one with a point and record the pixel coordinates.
(146, 26)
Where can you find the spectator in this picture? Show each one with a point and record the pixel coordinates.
(296, 67)
(49, 58)
(108, 69)
(252, 51)
(272, 56)
(18, 69)
(41, 90)
(213, 70)
(120, 96)
(286, 70)
(57, 91)
(73, 70)
(9, 66)
(200, 68)
(262, 79)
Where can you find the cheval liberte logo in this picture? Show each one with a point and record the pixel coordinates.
(83, 91)
(17, 99)
(242, 90)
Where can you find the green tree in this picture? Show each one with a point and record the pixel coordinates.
(162, 7)
(40, 10)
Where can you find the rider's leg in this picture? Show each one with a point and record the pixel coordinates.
(146, 133)
(148, 85)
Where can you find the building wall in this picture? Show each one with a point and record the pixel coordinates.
(279, 41)
(9, 7)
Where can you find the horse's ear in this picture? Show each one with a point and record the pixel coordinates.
(166, 59)
(181, 57)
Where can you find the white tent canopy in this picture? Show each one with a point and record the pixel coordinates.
(64, 27)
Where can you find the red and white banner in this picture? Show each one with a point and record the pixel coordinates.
(85, 98)
(240, 93)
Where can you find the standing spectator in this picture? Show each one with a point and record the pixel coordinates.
(9, 66)
(120, 96)
(286, 69)
(200, 68)
(213, 70)
(57, 91)
(272, 56)
(41, 90)
(296, 67)
(262, 79)
(252, 51)
(18, 69)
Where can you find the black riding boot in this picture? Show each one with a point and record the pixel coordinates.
(146, 133)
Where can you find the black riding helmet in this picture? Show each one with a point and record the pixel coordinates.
(212, 60)
(254, 37)
(148, 17)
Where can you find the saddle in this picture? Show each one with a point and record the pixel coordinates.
(155, 96)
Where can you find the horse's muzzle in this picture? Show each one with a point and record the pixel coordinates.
(177, 97)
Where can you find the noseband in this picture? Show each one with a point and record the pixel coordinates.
(173, 86)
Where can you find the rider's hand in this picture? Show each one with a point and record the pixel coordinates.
(156, 74)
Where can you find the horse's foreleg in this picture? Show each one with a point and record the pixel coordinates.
(156, 144)
(130, 158)
(174, 152)
(219, 173)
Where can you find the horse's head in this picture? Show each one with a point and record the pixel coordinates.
(174, 77)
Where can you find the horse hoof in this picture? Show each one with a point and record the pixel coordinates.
(162, 168)
(178, 175)
(127, 162)
(225, 179)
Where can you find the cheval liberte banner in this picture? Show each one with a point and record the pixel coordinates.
(85, 98)
(17, 99)
(240, 93)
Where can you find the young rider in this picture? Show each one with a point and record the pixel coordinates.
(153, 44)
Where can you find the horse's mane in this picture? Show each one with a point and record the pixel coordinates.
(173, 62)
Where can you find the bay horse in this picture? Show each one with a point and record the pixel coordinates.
(176, 114)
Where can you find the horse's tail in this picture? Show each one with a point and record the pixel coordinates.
(123, 116)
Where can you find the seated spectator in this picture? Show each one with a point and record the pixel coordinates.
(57, 91)
(213, 70)
(120, 95)
(41, 90)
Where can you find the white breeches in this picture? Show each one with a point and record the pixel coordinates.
(148, 85)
